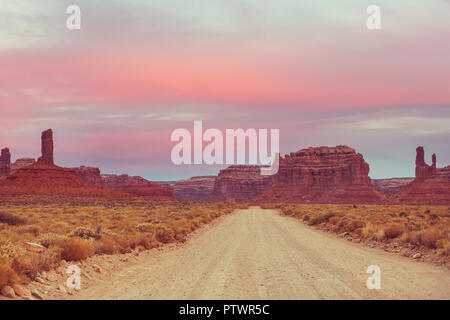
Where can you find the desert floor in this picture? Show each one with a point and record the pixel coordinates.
(259, 254)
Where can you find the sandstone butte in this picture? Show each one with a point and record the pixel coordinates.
(431, 185)
(197, 188)
(133, 185)
(45, 178)
(27, 177)
(312, 175)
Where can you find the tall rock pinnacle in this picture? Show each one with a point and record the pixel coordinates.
(47, 147)
(5, 162)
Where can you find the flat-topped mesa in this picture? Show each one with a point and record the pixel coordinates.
(5, 163)
(193, 189)
(47, 147)
(240, 182)
(323, 166)
(312, 175)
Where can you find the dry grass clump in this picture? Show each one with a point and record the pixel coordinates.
(165, 235)
(11, 219)
(7, 274)
(86, 233)
(76, 249)
(321, 218)
(74, 229)
(393, 231)
(430, 237)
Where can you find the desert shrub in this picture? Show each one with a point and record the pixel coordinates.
(416, 238)
(35, 230)
(379, 235)
(85, 233)
(442, 243)
(406, 236)
(349, 225)
(26, 265)
(49, 258)
(61, 226)
(444, 246)
(107, 245)
(334, 220)
(355, 224)
(368, 231)
(393, 231)
(11, 219)
(50, 239)
(141, 240)
(145, 227)
(76, 249)
(322, 218)
(7, 274)
(9, 251)
(164, 235)
(431, 236)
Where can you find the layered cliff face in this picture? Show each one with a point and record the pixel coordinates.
(193, 189)
(21, 163)
(241, 183)
(323, 175)
(90, 174)
(431, 185)
(316, 175)
(323, 166)
(136, 186)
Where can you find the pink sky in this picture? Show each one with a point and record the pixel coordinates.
(114, 90)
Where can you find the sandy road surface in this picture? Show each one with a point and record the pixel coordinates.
(258, 254)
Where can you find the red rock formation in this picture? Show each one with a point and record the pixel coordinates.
(20, 163)
(113, 181)
(431, 185)
(90, 174)
(136, 186)
(193, 189)
(312, 175)
(323, 175)
(424, 170)
(5, 163)
(44, 178)
(241, 183)
(168, 185)
(47, 147)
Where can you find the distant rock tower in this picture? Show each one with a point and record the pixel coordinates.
(423, 170)
(5, 162)
(47, 147)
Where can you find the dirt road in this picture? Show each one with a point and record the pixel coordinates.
(258, 254)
